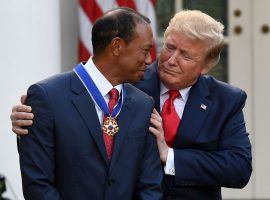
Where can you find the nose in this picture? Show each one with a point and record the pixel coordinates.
(173, 59)
(148, 59)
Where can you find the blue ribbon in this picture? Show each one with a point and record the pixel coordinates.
(95, 93)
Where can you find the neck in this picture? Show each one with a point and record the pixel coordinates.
(108, 70)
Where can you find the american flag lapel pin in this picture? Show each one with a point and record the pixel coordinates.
(203, 106)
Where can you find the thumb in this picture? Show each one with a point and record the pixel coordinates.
(23, 99)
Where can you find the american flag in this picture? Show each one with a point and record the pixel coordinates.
(90, 10)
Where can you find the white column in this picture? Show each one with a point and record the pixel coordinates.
(240, 74)
(29, 52)
(261, 99)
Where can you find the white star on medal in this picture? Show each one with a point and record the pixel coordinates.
(110, 126)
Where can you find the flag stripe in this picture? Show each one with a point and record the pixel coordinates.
(91, 10)
(126, 3)
(83, 52)
(85, 30)
(154, 2)
(106, 5)
(147, 8)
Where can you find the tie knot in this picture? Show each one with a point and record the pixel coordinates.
(114, 94)
(173, 94)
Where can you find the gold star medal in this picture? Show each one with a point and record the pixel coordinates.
(110, 126)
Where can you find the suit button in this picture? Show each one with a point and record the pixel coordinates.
(110, 182)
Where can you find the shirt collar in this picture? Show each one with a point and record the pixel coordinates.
(103, 85)
(184, 92)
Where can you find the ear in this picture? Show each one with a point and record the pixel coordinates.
(207, 67)
(205, 70)
(117, 45)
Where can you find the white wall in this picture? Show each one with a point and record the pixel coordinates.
(30, 47)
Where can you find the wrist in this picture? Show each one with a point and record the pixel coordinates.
(164, 155)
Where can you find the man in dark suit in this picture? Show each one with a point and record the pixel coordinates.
(201, 134)
(67, 154)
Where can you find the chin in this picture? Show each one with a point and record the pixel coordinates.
(170, 83)
(165, 77)
(134, 80)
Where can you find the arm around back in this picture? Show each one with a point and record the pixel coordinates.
(37, 150)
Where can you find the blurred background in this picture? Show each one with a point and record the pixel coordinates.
(39, 38)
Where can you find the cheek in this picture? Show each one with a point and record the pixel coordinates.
(164, 56)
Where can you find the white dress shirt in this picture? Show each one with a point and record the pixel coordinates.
(103, 85)
(179, 104)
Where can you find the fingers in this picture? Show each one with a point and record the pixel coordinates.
(156, 120)
(23, 99)
(21, 116)
(21, 108)
(19, 131)
(20, 123)
(155, 111)
(159, 136)
(157, 124)
(156, 115)
(17, 126)
(161, 143)
(154, 131)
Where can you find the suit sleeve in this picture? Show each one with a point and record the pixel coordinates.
(151, 174)
(37, 149)
(229, 166)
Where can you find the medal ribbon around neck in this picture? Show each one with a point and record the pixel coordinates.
(95, 93)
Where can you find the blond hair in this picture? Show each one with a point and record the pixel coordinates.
(199, 26)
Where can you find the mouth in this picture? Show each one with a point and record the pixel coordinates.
(142, 70)
(169, 70)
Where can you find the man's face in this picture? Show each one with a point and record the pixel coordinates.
(136, 55)
(182, 61)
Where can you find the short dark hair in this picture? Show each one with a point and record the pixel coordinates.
(119, 22)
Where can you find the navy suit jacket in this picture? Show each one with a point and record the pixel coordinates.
(64, 156)
(212, 148)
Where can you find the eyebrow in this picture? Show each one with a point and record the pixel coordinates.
(147, 46)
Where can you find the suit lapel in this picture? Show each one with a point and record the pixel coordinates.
(124, 119)
(86, 107)
(195, 113)
(156, 97)
(154, 84)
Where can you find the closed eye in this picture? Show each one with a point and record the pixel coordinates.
(186, 55)
(170, 47)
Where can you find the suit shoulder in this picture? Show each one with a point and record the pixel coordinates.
(138, 95)
(222, 88)
(150, 82)
(54, 86)
(55, 80)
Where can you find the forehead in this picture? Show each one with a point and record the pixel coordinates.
(143, 34)
(180, 40)
(176, 37)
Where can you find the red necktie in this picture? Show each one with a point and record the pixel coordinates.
(170, 118)
(108, 140)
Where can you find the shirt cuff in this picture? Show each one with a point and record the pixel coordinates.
(169, 167)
